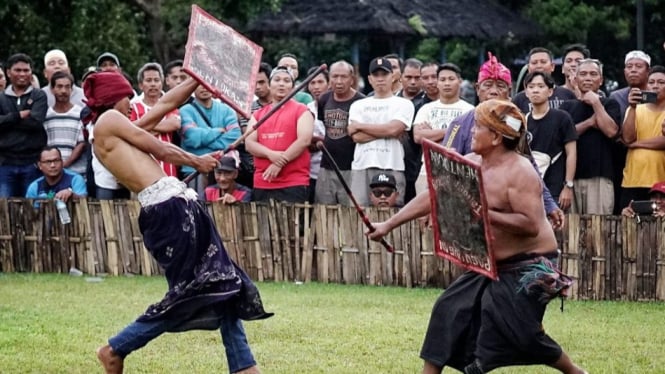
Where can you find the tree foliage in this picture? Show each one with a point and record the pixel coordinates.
(137, 31)
(156, 30)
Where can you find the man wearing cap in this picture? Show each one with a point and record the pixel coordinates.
(108, 61)
(376, 124)
(207, 290)
(383, 190)
(477, 324)
(636, 72)
(597, 123)
(541, 59)
(56, 60)
(22, 135)
(642, 134)
(227, 190)
(657, 196)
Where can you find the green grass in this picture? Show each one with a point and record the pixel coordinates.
(53, 323)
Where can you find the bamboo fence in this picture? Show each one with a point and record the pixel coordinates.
(610, 258)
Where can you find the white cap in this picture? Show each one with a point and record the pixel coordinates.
(638, 55)
(54, 53)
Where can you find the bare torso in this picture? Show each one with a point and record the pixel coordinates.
(133, 167)
(497, 181)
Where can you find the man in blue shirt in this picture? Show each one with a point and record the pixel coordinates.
(208, 126)
(57, 182)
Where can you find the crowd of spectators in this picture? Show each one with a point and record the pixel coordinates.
(596, 152)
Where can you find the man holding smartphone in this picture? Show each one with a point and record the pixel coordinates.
(654, 206)
(642, 134)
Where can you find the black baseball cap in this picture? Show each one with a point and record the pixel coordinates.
(380, 63)
(226, 164)
(383, 180)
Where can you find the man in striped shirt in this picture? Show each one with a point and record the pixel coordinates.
(63, 124)
(151, 81)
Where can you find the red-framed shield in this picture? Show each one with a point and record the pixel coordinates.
(459, 210)
(222, 60)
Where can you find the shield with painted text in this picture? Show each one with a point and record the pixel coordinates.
(222, 60)
(459, 210)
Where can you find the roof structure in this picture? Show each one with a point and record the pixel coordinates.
(480, 19)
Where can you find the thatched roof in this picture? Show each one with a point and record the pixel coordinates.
(481, 19)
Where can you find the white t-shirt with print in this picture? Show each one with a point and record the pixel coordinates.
(384, 153)
(439, 116)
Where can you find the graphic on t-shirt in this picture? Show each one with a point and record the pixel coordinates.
(439, 118)
(336, 122)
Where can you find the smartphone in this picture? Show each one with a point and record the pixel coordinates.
(644, 207)
(649, 97)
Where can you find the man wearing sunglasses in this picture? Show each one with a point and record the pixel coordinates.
(383, 190)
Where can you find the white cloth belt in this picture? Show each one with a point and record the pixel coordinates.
(164, 189)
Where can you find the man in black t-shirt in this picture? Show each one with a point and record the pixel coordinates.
(553, 138)
(597, 121)
(333, 109)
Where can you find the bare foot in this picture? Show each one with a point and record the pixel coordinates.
(112, 362)
(250, 370)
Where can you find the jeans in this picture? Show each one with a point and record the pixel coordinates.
(14, 179)
(138, 334)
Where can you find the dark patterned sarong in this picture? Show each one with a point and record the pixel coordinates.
(204, 282)
(478, 325)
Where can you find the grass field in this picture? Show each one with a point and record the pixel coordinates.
(53, 323)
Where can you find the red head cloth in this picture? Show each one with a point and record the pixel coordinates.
(493, 69)
(102, 91)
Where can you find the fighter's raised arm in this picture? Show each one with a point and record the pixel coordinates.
(171, 100)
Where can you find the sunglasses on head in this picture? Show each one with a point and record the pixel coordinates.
(378, 192)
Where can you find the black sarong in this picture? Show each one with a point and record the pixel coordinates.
(204, 282)
(481, 325)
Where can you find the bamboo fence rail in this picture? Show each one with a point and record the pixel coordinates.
(610, 258)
